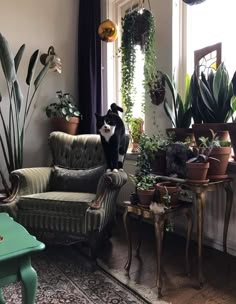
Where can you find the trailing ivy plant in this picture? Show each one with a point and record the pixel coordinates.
(138, 28)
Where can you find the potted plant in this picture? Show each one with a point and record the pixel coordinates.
(211, 97)
(138, 28)
(197, 166)
(179, 110)
(136, 130)
(64, 114)
(219, 152)
(168, 193)
(145, 188)
(14, 108)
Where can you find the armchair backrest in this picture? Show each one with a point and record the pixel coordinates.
(76, 151)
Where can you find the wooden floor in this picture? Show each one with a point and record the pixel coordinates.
(219, 271)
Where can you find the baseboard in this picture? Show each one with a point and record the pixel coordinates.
(213, 243)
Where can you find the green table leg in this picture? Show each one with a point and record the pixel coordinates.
(1, 297)
(29, 281)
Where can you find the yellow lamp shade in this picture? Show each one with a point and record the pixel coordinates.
(107, 31)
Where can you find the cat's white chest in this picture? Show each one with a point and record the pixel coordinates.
(107, 131)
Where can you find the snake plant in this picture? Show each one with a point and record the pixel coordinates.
(14, 108)
(179, 110)
(212, 97)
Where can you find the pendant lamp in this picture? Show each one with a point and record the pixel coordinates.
(192, 2)
(107, 30)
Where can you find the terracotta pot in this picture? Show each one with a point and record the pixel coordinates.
(158, 165)
(135, 147)
(218, 169)
(61, 124)
(168, 188)
(145, 197)
(232, 133)
(181, 134)
(197, 171)
(204, 130)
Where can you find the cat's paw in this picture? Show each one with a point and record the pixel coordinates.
(108, 170)
(114, 170)
(121, 170)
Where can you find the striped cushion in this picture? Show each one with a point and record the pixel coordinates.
(73, 203)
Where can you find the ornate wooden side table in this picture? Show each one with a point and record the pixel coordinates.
(200, 190)
(159, 219)
(16, 246)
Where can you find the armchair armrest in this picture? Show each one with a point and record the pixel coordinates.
(30, 180)
(103, 208)
(25, 181)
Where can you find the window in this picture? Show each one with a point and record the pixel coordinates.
(208, 23)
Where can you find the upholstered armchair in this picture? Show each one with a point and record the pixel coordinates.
(74, 196)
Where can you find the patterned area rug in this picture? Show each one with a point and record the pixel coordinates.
(65, 276)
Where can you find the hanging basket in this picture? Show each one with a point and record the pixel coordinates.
(193, 2)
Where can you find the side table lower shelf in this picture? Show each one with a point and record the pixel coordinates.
(159, 219)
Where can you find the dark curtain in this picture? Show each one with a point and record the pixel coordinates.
(89, 64)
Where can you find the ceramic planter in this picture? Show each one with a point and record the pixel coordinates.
(232, 133)
(169, 188)
(204, 130)
(181, 134)
(61, 124)
(197, 172)
(218, 169)
(145, 197)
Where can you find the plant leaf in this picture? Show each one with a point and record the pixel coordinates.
(0, 97)
(18, 95)
(32, 66)
(18, 56)
(186, 120)
(169, 112)
(207, 97)
(7, 61)
(41, 75)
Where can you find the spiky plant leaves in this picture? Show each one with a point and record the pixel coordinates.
(41, 74)
(32, 66)
(7, 60)
(18, 56)
(169, 112)
(18, 95)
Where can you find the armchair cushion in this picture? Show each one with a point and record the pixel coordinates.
(75, 180)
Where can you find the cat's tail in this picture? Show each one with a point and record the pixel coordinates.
(115, 108)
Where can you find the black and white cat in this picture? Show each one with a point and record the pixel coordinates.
(114, 141)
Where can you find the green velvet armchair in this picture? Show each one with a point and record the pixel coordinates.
(87, 214)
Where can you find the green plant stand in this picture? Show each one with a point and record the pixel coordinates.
(16, 246)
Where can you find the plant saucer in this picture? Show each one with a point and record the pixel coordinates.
(197, 181)
(215, 178)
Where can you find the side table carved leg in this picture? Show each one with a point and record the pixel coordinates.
(200, 207)
(159, 223)
(128, 236)
(189, 215)
(137, 251)
(29, 281)
(229, 201)
(1, 297)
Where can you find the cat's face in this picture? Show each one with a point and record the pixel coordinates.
(106, 125)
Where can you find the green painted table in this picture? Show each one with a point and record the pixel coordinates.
(16, 246)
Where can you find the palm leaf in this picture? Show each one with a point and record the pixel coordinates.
(18, 56)
(7, 60)
(32, 66)
(169, 112)
(41, 74)
(18, 95)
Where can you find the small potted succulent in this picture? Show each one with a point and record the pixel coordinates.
(64, 114)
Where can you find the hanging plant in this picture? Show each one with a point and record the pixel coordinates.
(138, 28)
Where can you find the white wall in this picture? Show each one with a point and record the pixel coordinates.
(40, 24)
